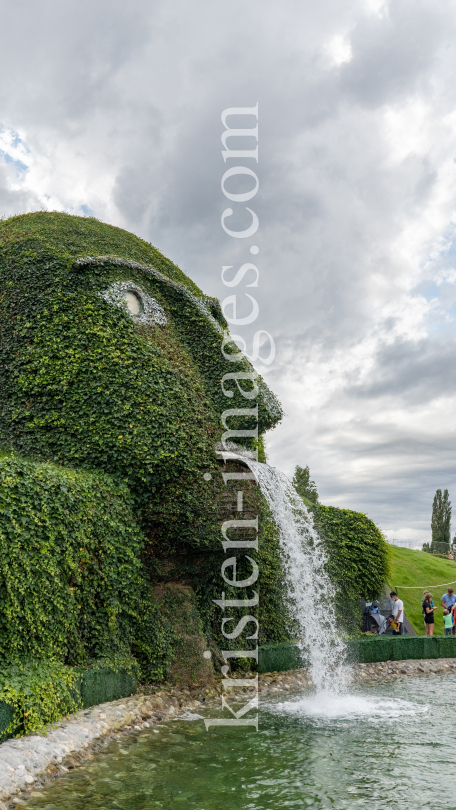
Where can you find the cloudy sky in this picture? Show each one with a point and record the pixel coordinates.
(113, 109)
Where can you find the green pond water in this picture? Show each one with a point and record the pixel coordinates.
(385, 746)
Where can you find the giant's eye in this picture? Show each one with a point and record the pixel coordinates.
(133, 299)
(133, 302)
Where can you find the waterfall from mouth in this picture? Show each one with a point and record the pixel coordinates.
(310, 591)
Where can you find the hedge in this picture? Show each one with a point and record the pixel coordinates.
(72, 585)
(358, 559)
(92, 687)
(6, 719)
(401, 648)
(282, 657)
(105, 685)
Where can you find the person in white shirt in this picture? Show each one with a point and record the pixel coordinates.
(398, 612)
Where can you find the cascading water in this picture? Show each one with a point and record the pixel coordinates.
(310, 591)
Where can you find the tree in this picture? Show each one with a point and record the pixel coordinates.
(303, 485)
(441, 519)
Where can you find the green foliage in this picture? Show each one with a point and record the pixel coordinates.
(358, 561)
(201, 567)
(137, 411)
(84, 386)
(303, 485)
(438, 549)
(179, 606)
(441, 519)
(40, 693)
(36, 693)
(72, 586)
(86, 236)
(280, 657)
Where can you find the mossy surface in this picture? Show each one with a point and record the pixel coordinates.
(120, 420)
(86, 236)
(72, 585)
(83, 384)
(89, 391)
(188, 665)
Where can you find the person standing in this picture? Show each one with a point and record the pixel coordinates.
(398, 612)
(448, 622)
(425, 593)
(449, 601)
(429, 620)
(453, 610)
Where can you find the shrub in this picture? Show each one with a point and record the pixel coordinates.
(39, 692)
(357, 558)
(72, 585)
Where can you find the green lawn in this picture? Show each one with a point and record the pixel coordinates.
(418, 568)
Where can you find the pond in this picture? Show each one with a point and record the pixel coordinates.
(384, 746)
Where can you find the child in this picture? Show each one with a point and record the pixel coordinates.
(448, 622)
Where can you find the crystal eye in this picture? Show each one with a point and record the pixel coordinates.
(132, 299)
(133, 302)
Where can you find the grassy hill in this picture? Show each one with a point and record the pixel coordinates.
(418, 568)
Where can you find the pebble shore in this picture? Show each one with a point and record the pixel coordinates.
(27, 763)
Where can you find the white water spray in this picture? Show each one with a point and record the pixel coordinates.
(310, 591)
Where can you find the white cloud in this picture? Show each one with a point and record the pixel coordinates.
(118, 109)
(338, 50)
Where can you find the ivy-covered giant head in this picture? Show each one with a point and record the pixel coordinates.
(110, 357)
